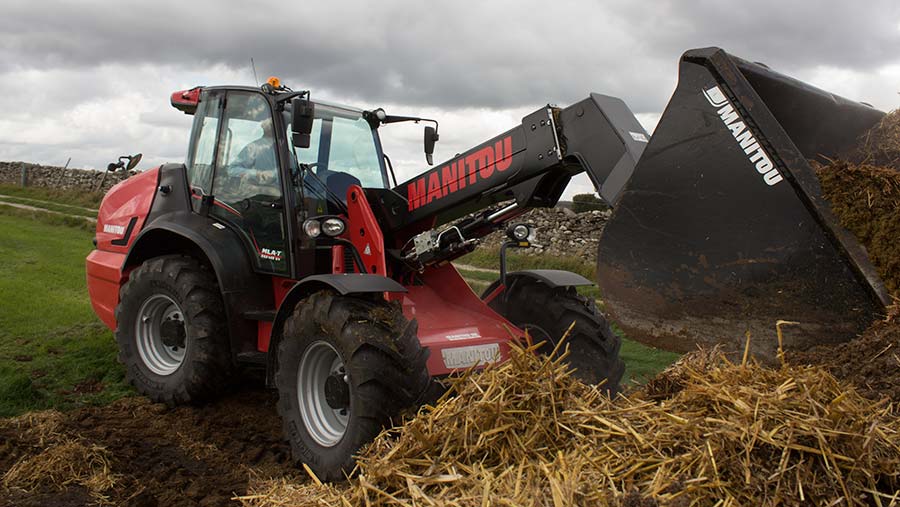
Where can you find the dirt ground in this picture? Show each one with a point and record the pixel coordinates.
(158, 456)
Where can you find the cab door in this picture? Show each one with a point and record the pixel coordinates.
(247, 186)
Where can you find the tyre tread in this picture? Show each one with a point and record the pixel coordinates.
(211, 367)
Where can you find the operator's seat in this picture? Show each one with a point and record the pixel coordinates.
(339, 182)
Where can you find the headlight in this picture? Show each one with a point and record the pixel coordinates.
(312, 228)
(519, 232)
(333, 227)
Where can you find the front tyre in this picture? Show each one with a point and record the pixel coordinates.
(346, 367)
(547, 312)
(171, 331)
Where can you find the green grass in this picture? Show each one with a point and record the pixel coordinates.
(54, 352)
(60, 208)
(490, 258)
(49, 218)
(642, 362)
(480, 279)
(71, 197)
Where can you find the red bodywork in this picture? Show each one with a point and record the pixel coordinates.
(186, 101)
(454, 323)
(280, 288)
(127, 202)
(364, 232)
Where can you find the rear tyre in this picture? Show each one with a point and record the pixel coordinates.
(547, 312)
(171, 331)
(346, 367)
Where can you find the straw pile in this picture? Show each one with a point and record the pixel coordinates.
(56, 460)
(881, 145)
(526, 433)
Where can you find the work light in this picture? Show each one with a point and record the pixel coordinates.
(312, 228)
(333, 226)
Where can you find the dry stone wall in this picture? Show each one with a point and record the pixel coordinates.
(560, 232)
(36, 175)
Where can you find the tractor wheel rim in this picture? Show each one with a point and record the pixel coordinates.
(326, 425)
(158, 357)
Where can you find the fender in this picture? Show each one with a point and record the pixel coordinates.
(343, 284)
(553, 278)
(173, 228)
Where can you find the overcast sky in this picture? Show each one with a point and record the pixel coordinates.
(91, 80)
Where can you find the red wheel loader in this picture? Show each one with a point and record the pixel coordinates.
(284, 241)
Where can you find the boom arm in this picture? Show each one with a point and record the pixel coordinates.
(530, 165)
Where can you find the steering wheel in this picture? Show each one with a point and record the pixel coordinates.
(295, 171)
(229, 177)
(310, 167)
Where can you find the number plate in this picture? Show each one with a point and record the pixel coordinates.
(465, 357)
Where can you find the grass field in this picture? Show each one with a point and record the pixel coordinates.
(54, 352)
(59, 208)
(490, 258)
(49, 218)
(72, 198)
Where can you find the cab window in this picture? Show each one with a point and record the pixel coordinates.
(247, 183)
(203, 145)
(343, 151)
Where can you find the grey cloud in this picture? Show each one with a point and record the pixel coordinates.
(60, 60)
(787, 34)
(496, 54)
(164, 119)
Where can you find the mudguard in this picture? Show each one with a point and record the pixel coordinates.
(343, 284)
(172, 227)
(551, 277)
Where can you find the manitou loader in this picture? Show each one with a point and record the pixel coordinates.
(285, 242)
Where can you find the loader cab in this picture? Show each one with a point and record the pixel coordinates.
(244, 172)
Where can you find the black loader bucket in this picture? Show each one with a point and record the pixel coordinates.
(722, 228)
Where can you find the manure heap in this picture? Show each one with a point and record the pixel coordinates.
(705, 430)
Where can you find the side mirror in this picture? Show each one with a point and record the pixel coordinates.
(302, 115)
(135, 160)
(431, 137)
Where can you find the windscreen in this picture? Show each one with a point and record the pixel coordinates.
(342, 142)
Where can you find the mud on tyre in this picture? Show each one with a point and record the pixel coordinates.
(171, 331)
(547, 312)
(346, 367)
